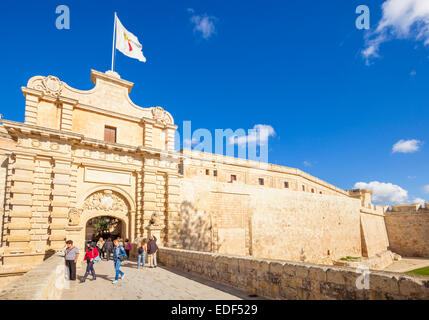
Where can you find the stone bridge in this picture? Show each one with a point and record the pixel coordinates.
(188, 275)
(161, 283)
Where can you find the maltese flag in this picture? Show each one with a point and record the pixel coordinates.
(128, 43)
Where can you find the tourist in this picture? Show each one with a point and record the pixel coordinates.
(118, 256)
(127, 247)
(71, 255)
(108, 248)
(152, 249)
(100, 245)
(142, 250)
(90, 254)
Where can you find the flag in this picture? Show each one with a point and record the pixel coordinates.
(128, 43)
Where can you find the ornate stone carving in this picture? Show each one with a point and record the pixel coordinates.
(74, 217)
(107, 201)
(51, 86)
(154, 220)
(161, 116)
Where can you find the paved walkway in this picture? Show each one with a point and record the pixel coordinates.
(408, 264)
(147, 284)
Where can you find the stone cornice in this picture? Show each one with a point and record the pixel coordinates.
(34, 92)
(15, 128)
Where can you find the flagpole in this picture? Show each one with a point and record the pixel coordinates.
(113, 46)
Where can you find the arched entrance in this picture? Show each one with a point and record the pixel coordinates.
(104, 227)
(110, 202)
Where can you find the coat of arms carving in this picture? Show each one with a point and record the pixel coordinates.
(107, 201)
(161, 116)
(50, 85)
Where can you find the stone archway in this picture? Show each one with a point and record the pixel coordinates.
(103, 202)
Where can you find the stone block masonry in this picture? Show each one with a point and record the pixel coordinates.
(294, 280)
(407, 228)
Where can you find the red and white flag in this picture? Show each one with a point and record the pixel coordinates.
(128, 43)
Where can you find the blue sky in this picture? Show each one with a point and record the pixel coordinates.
(338, 98)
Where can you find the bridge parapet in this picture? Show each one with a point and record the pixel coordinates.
(44, 282)
(295, 280)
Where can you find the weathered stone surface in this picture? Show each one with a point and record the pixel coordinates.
(273, 279)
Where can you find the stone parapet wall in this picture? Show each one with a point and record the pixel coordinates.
(41, 283)
(293, 280)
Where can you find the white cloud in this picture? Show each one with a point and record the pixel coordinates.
(384, 193)
(188, 143)
(307, 163)
(259, 135)
(401, 19)
(419, 201)
(406, 146)
(426, 189)
(203, 24)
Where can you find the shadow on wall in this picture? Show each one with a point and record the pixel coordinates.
(196, 232)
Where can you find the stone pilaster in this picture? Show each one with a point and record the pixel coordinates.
(149, 195)
(73, 186)
(147, 135)
(172, 220)
(170, 139)
(4, 194)
(31, 108)
(161, 195)
(41, 203)
(139, 205)
(60, 202)
(66, 113)
(21, 191)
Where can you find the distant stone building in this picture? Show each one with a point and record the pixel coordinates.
(85, 154)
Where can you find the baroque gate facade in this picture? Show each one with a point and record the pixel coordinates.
(79, 155)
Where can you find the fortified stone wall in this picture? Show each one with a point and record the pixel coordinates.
(219, 168)
(408, 229)
(294, 280)
(373, 230)
(240, 219)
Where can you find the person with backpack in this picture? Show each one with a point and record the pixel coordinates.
(142, 250)
(152, 249)
(91, 256)
(119, 255)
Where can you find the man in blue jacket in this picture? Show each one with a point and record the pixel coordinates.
(118, 256)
